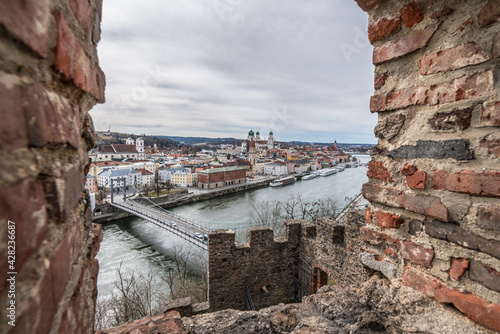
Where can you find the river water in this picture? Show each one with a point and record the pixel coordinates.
(144, 247)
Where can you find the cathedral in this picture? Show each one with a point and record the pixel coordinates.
(260, 144)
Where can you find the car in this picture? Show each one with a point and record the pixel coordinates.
(198, 235)
(173, 224)
(205, 237)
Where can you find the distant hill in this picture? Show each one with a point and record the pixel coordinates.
(329, 144)
(203, 140)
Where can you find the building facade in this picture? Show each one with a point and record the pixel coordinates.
(220, 177)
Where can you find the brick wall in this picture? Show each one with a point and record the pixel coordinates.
(49, 80)
(434, 183)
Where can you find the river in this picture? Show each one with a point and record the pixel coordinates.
(144, 247)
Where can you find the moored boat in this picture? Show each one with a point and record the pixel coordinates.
(309, 177)
(283, 181)
(327, 171)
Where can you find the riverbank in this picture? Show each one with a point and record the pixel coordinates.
(110, 213)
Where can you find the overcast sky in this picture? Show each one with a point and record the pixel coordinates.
(218, 68)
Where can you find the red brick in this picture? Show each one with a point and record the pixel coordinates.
(415, 253)
(430, 206)
(407, 44)
(377, 170)
(441, 13)
(72, 190)
(13, 132)
(388, 220)
(384, 27)
(463, 88)
(374, 237)
(493, 146)
(369, 215)
(29, 21)
(486, 183)
(367, 5)
(65, 49)
(496, 46)
(458, 268)
(52, 119)
(475, 308)
(489, 218)
(411, 14)
(24, 204)
(389, 251)
(415, 178)
(453, 58)
(380, 81)
(83, 13)
(490, 114)
(490, 14)
(72, 61)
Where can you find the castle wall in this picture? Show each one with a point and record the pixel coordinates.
(434, 182)
(49, 79)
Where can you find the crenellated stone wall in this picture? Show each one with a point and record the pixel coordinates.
(434, 182)
(49, 80)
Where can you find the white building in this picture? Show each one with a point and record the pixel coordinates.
(275, 169)
(123, 178)
(166, 174)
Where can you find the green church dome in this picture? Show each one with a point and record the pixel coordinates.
(250, 133)
(270, 133)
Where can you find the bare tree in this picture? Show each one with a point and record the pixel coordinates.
(157, 184)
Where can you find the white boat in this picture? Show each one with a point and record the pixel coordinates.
(327, 172)
(309, 177)
(340, 168)
(283, 182)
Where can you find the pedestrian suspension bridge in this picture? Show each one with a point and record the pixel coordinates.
(153, 213)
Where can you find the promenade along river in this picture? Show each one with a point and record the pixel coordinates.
(144, 247)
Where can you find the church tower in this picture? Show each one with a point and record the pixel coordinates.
(252, 153)
(257, 135)
(139, 145)
(270, 140)
(251, 135)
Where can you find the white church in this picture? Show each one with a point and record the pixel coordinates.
(260, 144)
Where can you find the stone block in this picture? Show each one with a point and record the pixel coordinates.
(440, 13)
(405, 45)
(184, 306)
(493, 146)
(457, 149)
(13, 132)
(490, 115)
(83, 13)
(411, 14)
(484, 275)
(415, 227)
(489, 218)
(453, 58)
(366, 5)
(415, 178)
(415, 253)
(385, 267)
(390, 126)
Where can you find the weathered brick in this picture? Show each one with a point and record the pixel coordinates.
(493, 146)
(458, 268)
(11, 137)
(388, 220)
(369, 215)
(464, 88)
(379, 81)
(405, 45)
(51, 118)
(29, 21)
(366, 5)
(377, 170)
(475, 308)
(65, 50)
(486, 183)
(441, 13)
(495, 51)
(415, 178)
(490, 14)
(490, 114)
(415, 253)
(457, 120)
(411, 14)
(390, 126)
(83, 13)
(24, 204)
(430, 206)
(453, 58)
(384, 27)
(485, 275)
(489, 218)
(457, 149)
(458, 235)
(464, 25)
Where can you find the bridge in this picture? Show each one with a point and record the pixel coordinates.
(153, 213)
